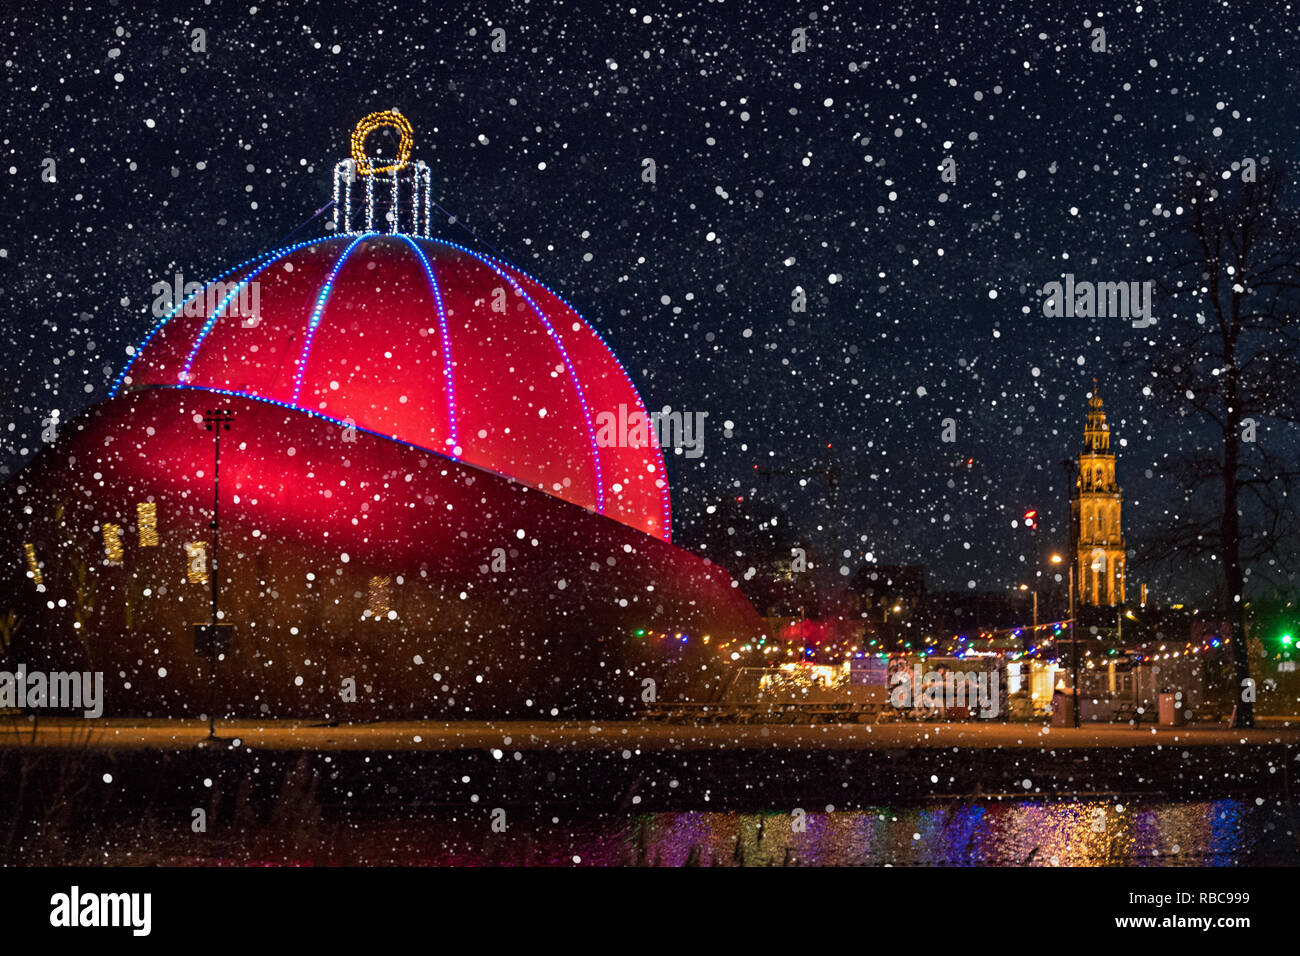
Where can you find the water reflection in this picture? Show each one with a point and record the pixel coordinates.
(1030, 833)
(1094, 832)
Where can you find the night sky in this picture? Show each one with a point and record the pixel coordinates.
(775, 169)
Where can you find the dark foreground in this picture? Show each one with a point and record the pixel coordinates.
(564, 793)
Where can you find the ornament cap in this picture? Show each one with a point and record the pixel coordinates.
(393, 198)
(391, 119)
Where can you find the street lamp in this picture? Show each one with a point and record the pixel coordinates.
(1034, 592)
(1057, 560)
(1069, 466)
(215, 421)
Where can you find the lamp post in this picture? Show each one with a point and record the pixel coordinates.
(1057, 559)
(1034, 595)
(215, 421)
(1074, 647)
(1068, 465)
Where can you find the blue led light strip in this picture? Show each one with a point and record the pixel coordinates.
(325, 291)
(573, 374)
(348, 423)
(342, 423)
(446, 341)
(230, 297)
(176, 310)
(667, 513)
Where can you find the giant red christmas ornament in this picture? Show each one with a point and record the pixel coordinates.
(418, 516)
(428, 343)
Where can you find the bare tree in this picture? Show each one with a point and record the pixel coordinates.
(9, 624)
(1224, 358)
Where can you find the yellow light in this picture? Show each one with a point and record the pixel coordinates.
(380, 604)
(33, 568)
(113, 543)
(1057, 559)
(146, 521)
(371, 122)
(196, 562)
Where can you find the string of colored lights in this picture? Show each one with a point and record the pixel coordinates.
(370, 204)
(135, 352)
(325, 291)
(345, 172)
(427, 174)
(950, 648)
(568, 365)
(341, 422)
(446, 345)
(220, 309)
(667, 504)
(420, 181)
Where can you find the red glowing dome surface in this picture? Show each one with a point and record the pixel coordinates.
(428, 343)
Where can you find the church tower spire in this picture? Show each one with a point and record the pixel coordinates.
(1095, 507)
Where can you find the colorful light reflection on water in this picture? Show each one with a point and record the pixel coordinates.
(1093, 832)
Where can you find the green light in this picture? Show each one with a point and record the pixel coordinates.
(639, 632)
(1287, 639)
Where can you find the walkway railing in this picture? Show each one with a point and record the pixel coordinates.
(767, 712)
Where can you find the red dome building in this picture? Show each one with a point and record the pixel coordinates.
(418, 516)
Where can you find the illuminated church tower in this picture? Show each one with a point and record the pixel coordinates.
(1095, 515)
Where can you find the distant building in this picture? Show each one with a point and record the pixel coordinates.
(1096, 528)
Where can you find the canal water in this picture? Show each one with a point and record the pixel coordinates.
(1097, 831)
